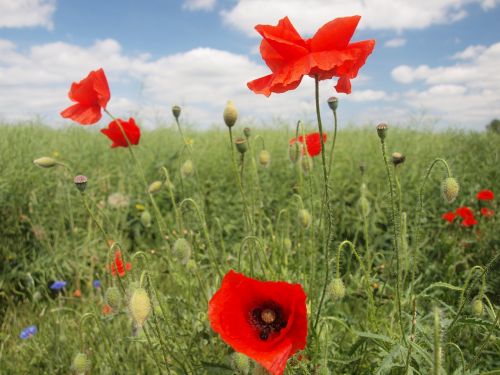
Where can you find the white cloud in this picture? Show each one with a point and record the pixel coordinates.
(368, 96)
(467, 92)
(307, 16)
(395, 43)
(199, 4)
(26, 13)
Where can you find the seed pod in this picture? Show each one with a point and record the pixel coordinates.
(146, 219)
(397, 158)
(230, 114)
(382, 131)
(264, 158)
(449, 189)
(247, 132)
(139, 306)
(240, 363)
(113, 297)
(45, 162)
(305, 218)
(176, 111)
(182, 250)
(80, 182)
(155, 187)
(336, 289)
(241, 145)
(187, 168)
(81, 364)
(333, 103)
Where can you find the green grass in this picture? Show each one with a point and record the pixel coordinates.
(47, 234)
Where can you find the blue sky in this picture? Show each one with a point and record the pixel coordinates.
(434, 63)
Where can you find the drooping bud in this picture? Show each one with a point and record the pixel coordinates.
(305, 218)
(182, 250)
(450, 189)
(307, 164)
(477, 307)
(140, 306)
(333, 103)
(241, 145)
(264, 158)
(45, 162)
(247, 132)
(230, 114)
(397, 158)
(176, 111)
(80, 182)
(113, 297)
(146, 219)
(187, 168)
(155, 187)
(294, 151)
(240, 363)
(336, 289)
(382, 131)
(81, 364)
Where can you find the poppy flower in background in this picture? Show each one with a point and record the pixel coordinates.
(485, 195)
(326, 55)
(106, 309)
(28, 332)
(487, 212)
(265, 320)
(117, 267)
(313, 143)
(130, 128)
(91, 94)
(467, 215)
(449, 216)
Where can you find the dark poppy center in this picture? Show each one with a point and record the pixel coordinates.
(268, 319)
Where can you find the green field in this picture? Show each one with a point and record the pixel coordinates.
(445, 320)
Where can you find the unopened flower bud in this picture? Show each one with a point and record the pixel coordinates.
(287, 244)
(336, 289)
(449, 189)
(80, 182)
(305, 218)
(230, 114)
(182, 250)
(382, 131)
(45, 162)
(113, 297)
(176, 111)
(477, 307)
(364, 205)
(81, 364)
(240, 363)
(333, 103)
(241, 145)
(264, 158)
(397, 158)
(260, 370)
(187, 168)
(247, 132)
(307, 164)
(155, 187)
(294, 152)
(146, 219)
(139, 306)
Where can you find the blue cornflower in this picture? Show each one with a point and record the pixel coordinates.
(58, 285)
(97, 284)
(28, 332)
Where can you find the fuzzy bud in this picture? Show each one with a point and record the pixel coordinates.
(187, 168)
(382, 131)
(477, 307)
(80, 182)
(287, 244)
(240, 363)
(45, 162)
(146, 219)
(155, 187)
(364, 205)
(182, 250)
(230, 114)
(113, 297)
(305, 218)
(397, 158)
(241, 145)
(294, 152)
(139, 306)
(336, 289)
(81, 363)
(307, 164)
(264, 158)
(176, 111)
(449, 189)
(247, 132)
(333, 103)
(260, 370)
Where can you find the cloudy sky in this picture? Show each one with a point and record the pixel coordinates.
(435, 62)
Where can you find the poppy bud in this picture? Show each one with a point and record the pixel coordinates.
(260, 370)
(450, 188)
(176, 111)
(146, 219)
(240, 363)
(155, 187)
(241, 145)
(113, 297)
(336, 289)
(80, 182)
(382, 131)
(187, 168)
(264, 158)
(307, 164)
(230, 114)
(477, 307)
(191, 265)
(182, 250)
(364, 205)
(81, 364)
(45, 162)
(397, 158)
(247, 132)
(294, 152)
(305, 218)
(333, 103)
(287, 243)
(140, 306)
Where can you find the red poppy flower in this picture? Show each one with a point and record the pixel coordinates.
(91, 94)
(449, 216)
(131, 130)
(464, 212)
(327, 54)
(485, 195)
(117, 267)
(313, 143)
(487, 212)
(265, 320)
(106, 309)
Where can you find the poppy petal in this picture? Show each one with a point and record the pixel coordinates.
(343, 29)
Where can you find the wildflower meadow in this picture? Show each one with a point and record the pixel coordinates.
(292, 248)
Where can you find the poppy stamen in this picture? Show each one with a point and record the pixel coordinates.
(268, 316)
